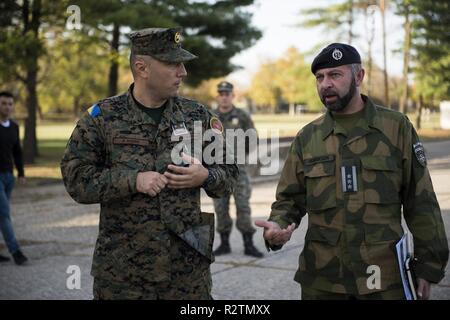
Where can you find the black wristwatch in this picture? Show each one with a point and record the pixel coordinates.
(210, 180)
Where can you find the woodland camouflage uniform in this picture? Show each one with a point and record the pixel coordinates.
(349, 231)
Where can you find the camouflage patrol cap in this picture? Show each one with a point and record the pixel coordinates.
(224, 86)
(160, 43)
(335, 55)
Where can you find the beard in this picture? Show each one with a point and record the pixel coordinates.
(341, 102)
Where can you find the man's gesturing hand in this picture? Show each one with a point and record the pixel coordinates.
(150, 182)
(274, 234)
(186, 177)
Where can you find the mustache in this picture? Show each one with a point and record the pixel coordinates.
(329, 92)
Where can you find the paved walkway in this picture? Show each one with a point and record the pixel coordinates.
(55, 233)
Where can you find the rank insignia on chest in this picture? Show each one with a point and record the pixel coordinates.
(234, 121)
(349, 179)
(179, 129)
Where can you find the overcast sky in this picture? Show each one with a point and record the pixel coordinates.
(278, 18)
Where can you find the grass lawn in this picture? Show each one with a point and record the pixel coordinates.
(52, 138)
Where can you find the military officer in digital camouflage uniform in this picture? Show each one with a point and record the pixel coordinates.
(234, 119)
(153, 242)
(353, 170)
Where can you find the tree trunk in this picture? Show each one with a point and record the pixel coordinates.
(292, 109)
(30, 142)
(350, 21)
(406, 56)
(419, 113)
(386, 81)
(114, 67)
(39, 111)
(370, 31)
(76, 106)
(30, 150)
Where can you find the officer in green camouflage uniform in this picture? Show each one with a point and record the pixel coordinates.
(234, 118)
(153, 242)
(353, 170)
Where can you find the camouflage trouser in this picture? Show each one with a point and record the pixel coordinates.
(111, 290)
(309, 293)
(190, 280)
(242, 193)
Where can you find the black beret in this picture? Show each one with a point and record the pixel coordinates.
(335, 55)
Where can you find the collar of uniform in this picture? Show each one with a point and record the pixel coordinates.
(370, 120)
(171, 113)
(227, 114)
(137, 115)
(371, 114)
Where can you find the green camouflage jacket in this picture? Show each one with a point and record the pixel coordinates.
(350, 231)
(109, 146)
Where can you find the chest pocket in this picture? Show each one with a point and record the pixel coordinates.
(320, 180)
(381, 179)
(132, 150)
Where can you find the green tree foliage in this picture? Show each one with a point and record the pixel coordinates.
(264, 92)
(215, 30)
(403, 8)
(296, 81)
(337, 18)
(74, 74)
(24, 25)
(62, 71)
(431, 45)
(288, 79)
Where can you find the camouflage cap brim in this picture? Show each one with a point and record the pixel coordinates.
(176, 55)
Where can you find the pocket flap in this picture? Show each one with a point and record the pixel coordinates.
(379, 163)
(131, 139)
(382, 233)
(323, 234)
(323, 168)
(201, 236)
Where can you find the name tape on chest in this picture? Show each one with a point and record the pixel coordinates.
(179, 129)
(131, 141)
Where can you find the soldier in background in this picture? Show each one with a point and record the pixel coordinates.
(153, 242)
(352, 170)
(235, 118)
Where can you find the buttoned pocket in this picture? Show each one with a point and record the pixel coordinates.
(382, 233)
(320, 182)
(379, 250)
(381, 179)
(321, 250)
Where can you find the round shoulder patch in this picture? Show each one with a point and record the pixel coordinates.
(216, 125)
